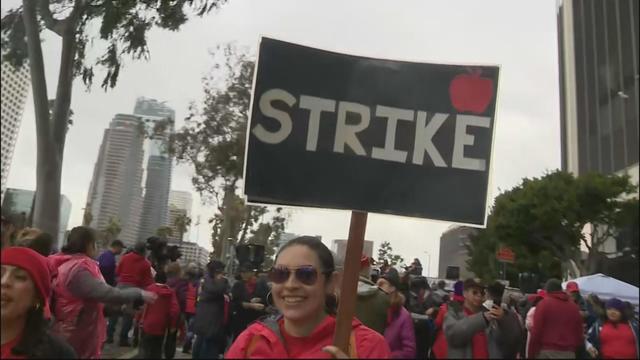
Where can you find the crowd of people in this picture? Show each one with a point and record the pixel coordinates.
(68, 303)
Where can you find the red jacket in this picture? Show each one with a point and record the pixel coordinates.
(557, 325)
(260, 341)
(439, 347)
(191, 298)
(135, 270)
(163, 314)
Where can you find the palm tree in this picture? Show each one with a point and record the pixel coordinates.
(164, 232)
(182, 223)
(111, 231)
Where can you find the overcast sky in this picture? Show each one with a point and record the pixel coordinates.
(520, 36)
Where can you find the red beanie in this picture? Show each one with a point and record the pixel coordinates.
(34, 264)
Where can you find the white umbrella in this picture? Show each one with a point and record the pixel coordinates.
(606, 288)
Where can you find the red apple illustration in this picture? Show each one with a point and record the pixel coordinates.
(471, 92)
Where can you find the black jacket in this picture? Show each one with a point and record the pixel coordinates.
(209, 318)
(49, 346)
(241, 317)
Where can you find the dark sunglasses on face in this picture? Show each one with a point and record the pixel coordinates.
(308, 275)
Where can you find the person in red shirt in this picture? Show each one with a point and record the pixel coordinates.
(304, 280)
(26, 288)
(133, 270)
(616, 337)
(557, 325)
(159, 320)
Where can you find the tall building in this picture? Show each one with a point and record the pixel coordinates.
(598, 49)
(15, 88)
(599, 86)
(158, 119)
(453, 252)
(180, 203)
(115, 191)
(19, 202)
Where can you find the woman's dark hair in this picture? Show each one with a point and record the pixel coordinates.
(79, 239)
(326, 261)
(42, 243)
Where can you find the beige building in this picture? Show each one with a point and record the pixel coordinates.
(15, 88)
(115, 191)
(180, 203)
(453, 253)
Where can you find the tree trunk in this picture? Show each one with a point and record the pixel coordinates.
(229, 191)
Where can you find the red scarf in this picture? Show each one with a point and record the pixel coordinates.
(479, 345)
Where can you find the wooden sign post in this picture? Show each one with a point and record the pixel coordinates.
(349, 286)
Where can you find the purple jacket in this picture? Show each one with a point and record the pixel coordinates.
(107, 262)
(179, 285)
(400, 336)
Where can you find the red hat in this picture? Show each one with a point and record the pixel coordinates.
(572, 287)
(35, 265)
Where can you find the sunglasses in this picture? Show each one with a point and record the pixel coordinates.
(308, 275)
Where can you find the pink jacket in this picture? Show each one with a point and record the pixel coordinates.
(79, 321)
(400, 336)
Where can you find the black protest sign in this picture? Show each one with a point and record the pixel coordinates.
(347, 132)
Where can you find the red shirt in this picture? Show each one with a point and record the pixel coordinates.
(617, 342)
(134, 270)
(480, 349)
(5, 349)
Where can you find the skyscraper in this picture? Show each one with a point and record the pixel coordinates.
(15, 88)
(115, 192)
(156, 116)
(598, 48)
(599, 86)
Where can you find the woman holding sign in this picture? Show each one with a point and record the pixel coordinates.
(304, 281)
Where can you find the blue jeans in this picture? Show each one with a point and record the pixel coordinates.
(207, 348)
(127, 322)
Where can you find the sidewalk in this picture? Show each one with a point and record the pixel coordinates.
(113, 351)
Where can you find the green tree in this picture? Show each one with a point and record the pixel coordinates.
(182, 223)
(111, 231)
(543, 221)
(385, 252)
(124, 26)
(213, 142)
(164, 232)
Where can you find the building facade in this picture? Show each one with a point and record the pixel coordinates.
(599, 86)
(453, 252)
(192, 253)
(115, 192)
(180, 203)
(20, 201)
(339, 247)
(158, 119)
(598, 50)
(15, 88)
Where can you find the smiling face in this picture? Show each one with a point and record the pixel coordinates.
(299, 302)
(18, 293)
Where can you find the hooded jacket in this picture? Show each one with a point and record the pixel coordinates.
(163, 314)
(557, 325)
(79, 321)
(372, 305)
(266, 340)
(135, 270)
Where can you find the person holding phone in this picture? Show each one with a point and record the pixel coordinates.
(467, 326)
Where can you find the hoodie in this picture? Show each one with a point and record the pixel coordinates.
(557, 325)
(135, 270)
(163, 314)
(267, 339)
(372, 305)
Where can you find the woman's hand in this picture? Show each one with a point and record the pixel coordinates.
(335, 352)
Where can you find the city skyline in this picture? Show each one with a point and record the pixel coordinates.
(527, 115)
